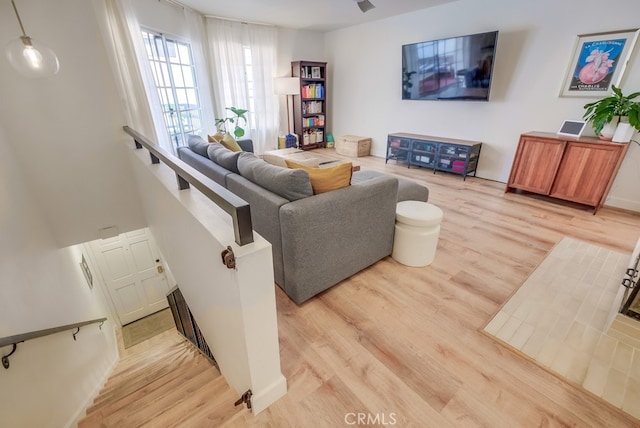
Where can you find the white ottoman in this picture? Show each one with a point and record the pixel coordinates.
(417, 232)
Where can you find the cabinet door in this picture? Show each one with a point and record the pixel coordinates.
(585, 172)
(453, 158)
(535, 164)
(398, 148)
(423, 153)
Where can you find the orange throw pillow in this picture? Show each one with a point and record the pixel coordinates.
(326, 179)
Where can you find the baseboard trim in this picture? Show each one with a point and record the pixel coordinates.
(625, 204)
(82, 411)
(260, 400)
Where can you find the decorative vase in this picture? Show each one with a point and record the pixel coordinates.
(609, 129)
(624, 132)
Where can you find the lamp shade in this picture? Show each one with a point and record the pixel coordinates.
(31, 58)
(286, 86)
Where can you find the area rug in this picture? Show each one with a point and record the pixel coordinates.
(147, 327)
(560, 316)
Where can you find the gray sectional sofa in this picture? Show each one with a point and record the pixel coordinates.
(317, 240)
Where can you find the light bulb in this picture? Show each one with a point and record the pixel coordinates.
(31, 58)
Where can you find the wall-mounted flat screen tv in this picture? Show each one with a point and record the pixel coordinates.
(457, 68)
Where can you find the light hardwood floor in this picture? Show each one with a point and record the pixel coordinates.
(401, 346)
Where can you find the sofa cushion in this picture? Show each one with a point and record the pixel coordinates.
(408, 190)
(198, 145)
(291, 184)
(204, 165)
(326, 179)
(223, 156)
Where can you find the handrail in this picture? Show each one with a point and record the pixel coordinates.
(19, 338)
(237, 208)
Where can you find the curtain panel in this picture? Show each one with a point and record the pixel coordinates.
(232, 45)
(132, 72)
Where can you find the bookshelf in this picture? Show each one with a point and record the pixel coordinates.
(310, 107)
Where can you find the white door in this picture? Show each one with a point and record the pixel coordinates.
(133, 273)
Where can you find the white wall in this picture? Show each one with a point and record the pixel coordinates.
(534, 45)
(234, 308)
(49, 379)
(65, 130)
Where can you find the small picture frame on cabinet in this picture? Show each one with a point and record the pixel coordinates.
(315, 73)
(572, 128)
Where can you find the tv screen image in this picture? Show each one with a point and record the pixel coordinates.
(457, 68)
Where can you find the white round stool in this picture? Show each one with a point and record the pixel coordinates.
(417, 232)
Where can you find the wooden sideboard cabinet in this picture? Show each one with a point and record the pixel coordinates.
(580, 170)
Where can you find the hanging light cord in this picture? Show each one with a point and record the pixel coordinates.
(24, 34)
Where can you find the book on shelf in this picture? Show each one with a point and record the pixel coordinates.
(310, 107)
(313, 121)
(314, 90)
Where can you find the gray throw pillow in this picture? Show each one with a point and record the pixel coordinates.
(223, 156)
(198, 145)
(291, 184)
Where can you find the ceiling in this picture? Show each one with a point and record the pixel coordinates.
(324, 15)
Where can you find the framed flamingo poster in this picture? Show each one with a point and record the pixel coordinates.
(598, 62)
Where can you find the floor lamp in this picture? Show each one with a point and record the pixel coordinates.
(287, 86)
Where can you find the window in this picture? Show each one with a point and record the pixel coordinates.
(175, 77)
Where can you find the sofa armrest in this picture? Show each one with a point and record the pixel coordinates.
(328, 237)
(246, 145)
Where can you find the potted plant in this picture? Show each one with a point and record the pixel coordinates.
(238, 114)
(406, 83)
(610, 110)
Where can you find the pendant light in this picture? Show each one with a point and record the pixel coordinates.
(31, 58)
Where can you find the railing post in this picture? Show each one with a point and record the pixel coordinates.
(242, 225)
(182, 183)
(237, 208)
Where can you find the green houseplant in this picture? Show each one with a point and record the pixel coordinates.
(406, 83)
(234, 121)
(610, 109)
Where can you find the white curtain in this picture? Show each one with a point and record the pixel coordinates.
(228, 41)
(131, 70)
(199, 47)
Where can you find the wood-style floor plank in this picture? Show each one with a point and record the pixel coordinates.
(404, 345)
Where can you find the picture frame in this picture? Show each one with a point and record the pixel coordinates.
(86, 271)
(315, 73)
(598, 61)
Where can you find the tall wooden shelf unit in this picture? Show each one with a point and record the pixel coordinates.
(580, 170)
(310, 107)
